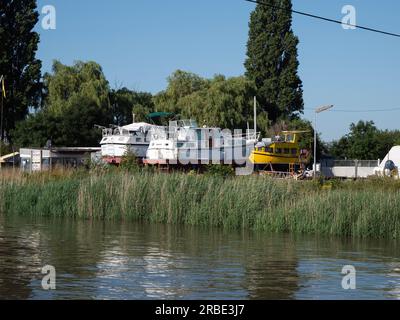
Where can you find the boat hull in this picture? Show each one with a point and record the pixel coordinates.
(258, 157)
(113, 153)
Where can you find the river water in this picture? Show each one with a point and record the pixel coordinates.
(110, 260)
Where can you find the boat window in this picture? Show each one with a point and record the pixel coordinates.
(278, 151)
(294, 151)
(270, 150)
(198, 135)
(286, 151)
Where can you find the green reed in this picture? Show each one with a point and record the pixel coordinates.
(368, 208)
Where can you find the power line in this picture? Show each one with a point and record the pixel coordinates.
(326, 19)
(359, 111)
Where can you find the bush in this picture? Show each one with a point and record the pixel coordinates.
(130, 162)
(220, 170)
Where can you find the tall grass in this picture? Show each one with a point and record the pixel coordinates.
(363, 209)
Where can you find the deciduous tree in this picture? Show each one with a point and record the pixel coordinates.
(125, 103)
(18, 62)
(364, 142)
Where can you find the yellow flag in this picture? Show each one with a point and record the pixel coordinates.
(3, 88)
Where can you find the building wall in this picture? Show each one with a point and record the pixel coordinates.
(41, 160)
(347, 172)
(348, 168)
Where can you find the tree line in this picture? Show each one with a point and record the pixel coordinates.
(65, 104)
(364, 142)
(78, 98)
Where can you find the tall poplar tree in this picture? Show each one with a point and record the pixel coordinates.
(272, 60)
(18, 64)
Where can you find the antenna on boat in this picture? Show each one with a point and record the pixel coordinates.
(133, 117)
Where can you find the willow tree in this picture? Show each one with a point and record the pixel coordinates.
(272, 60)
(125, 103)
(180, 84)
(66, 86)
(219, 101)
(226, 103)
(76, 99)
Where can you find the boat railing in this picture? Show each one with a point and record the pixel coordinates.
(351, 163)
(117, 132)
(206, 143)
(157, 133)
(190, 123)
(108, 132)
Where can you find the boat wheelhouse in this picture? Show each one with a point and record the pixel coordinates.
(280, 153)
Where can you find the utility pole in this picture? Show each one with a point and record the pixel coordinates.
(1, 116)
(1, 126)
(255, 117)
(318, 110)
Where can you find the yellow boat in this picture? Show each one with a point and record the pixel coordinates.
(281, 153)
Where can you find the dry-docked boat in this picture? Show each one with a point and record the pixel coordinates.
(183, 143)
(118, 141)
(280, 153)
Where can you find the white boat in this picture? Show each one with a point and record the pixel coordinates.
(183, 142)
(118, 141)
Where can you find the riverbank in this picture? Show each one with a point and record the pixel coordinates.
(368, 208)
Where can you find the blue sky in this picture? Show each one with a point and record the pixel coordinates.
(140, 42)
